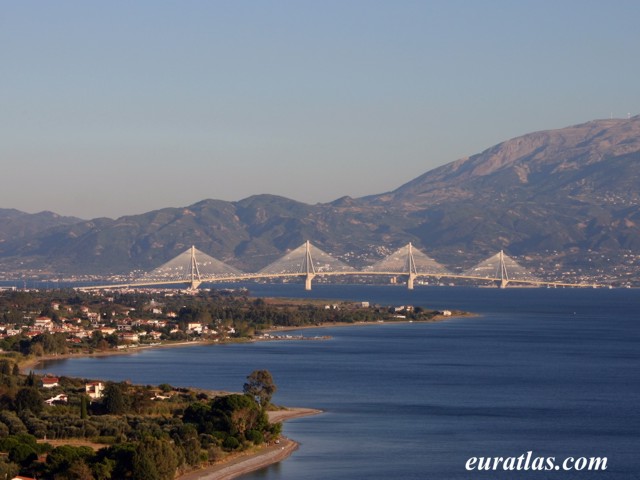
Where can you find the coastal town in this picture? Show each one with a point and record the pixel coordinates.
(65, 321)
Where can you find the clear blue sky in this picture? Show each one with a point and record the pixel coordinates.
(109, 108)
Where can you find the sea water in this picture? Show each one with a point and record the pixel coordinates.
(548, 371)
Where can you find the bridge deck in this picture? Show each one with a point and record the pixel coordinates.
(259, 276)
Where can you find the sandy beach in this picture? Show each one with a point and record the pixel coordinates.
(249, 462)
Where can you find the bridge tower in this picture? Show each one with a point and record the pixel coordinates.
(194, 273)
(300, 263)
(409, 262)
(307, 266)
(504, 277)
(411, 267)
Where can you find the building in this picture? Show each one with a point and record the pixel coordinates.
(94, 390)
(61, 398)
(195, 327)
(49, 381)
(130, 337)
(43, 324)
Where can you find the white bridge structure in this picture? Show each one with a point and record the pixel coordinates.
(193, 267)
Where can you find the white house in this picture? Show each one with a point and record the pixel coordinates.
(43, 324)
(131, 337)
(194, 327)
(94, 390)
(58, 398)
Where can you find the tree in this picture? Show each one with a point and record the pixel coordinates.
(13, 422)
(5, 367)
(21, 449)
(187, 438)
(103, 469)
(29, 398)
(61, 459)
(83, 407)
(79, 470)
(260, 386)
(114, 399)
(8, 469)
(154, 459)
(199, 415)
(119, 459)
(237, 414)
(31, 379)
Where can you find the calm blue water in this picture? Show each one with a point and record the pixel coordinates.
(554, 371)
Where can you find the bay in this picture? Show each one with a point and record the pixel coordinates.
(551, 371)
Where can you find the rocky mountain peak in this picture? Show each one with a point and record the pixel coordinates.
(528, 160)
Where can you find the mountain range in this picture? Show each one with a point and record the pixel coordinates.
(552, 198)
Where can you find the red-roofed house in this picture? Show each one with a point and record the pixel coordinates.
(49, 381)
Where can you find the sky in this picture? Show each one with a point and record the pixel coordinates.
(118, 108)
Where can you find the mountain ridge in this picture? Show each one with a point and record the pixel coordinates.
(566, 191)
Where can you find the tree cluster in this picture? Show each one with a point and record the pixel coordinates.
(143, 439)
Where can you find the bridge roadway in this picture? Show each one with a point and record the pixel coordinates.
(194, 283)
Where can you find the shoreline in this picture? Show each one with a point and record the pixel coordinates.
(245, 462)
(434, 319)
(33, 362)
(250, 462)
(230, 467)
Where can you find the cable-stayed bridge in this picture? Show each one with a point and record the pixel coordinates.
(194, 267)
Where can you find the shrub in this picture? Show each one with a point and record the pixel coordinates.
(255, 436)
(231, 443)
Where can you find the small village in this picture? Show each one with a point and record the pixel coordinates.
(111, 329)
(54, 322)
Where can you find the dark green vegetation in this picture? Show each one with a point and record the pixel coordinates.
(137, 432)
(554, 197)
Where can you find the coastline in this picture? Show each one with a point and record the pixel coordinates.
(33, 362)
(434, 319)
(229, 467)
(236, 465)
(245, 463)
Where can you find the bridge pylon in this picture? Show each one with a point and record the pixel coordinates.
(502, 270)
(194, 272)
(301, 263)
(504, 276)
(411, 267)
(410, 263)
(307, 266)
(192, 267)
